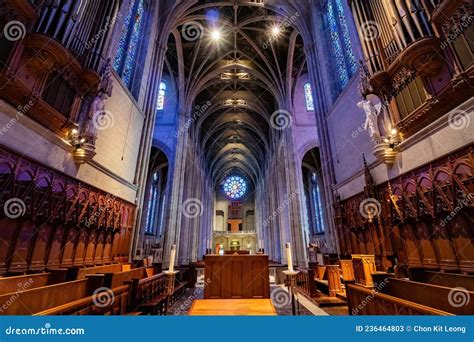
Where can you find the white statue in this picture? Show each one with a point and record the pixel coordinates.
(97, 108)
(371, 115)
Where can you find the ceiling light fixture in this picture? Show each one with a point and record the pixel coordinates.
(276, 30)
(216, 35)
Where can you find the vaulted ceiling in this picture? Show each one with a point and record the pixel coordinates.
(242, 59)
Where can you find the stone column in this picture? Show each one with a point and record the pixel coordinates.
(177, 168)
(319, 77)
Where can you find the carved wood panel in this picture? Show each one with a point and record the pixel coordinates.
(54, 220)
(425, 217)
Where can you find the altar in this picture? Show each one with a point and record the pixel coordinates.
(236, 276)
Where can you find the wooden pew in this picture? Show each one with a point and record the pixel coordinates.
(443, 279)
(42, 298)
(149, 295)
(364, 266)
(364, 301)
(112, 280)
(347, 270)
(405, 297)
(328, 280)
(112, 302)
(31, 281)
(76, 273)
(305, 282)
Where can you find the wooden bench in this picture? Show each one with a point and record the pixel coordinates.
(42, 298)
(364, 267)
(149, 295)
(76, 273)
(112, 280)
(111, 302)
(405, 297)
(365, 301)
(347, 269)
(443, 279)
(328, 279)
(31, 281)
(305, 282)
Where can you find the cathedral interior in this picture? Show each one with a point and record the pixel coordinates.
(165, 157)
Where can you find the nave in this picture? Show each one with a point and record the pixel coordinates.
(244, 157)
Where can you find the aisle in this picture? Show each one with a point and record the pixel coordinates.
(279, 297)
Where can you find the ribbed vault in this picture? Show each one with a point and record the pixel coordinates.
(245, 76)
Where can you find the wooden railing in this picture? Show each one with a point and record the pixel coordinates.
(146, 290)
(305, 282)
(111, 302)
(363, 301)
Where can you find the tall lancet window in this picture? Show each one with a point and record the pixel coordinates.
(316, 203)
(160, 102)
(341, 45)
(153, 205)
(308, 94)
(127, 53)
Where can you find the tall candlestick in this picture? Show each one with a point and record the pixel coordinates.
(289, 257)
(172, 257)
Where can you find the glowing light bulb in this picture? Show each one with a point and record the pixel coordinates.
(394, 131)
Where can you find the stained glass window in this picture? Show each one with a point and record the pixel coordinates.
(126, 57)
(341, 45)
(153, 204)
(160, 102)
(308, 97)
(316, 202)
(154, 216)
(235, 187)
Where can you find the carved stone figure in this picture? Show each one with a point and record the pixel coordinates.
(97, 106)
(371, 118)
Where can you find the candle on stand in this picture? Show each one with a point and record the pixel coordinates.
(289, 257)
(172, 257)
